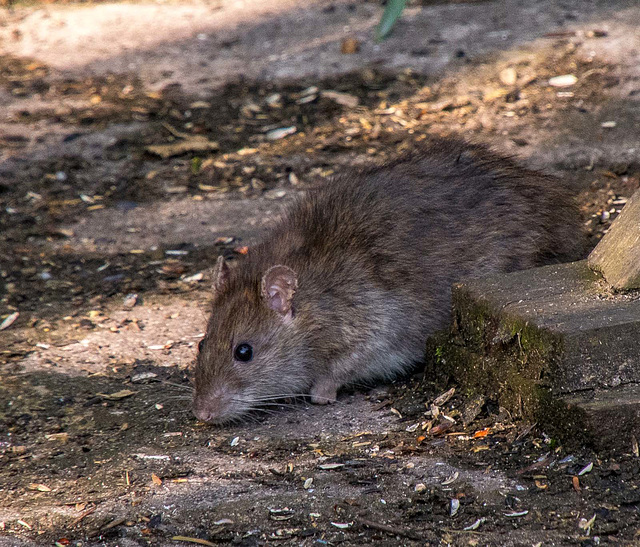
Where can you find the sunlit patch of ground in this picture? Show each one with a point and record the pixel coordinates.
(96, 440)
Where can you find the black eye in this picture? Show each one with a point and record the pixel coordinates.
(243, 352)
(200, 345)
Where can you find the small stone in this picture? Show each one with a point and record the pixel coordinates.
(9, 320)
(566, 80)
(130, 300)
(274, 100)
(344, 99)
(454, 507)
(276, 193)
(509, 76)
(280, 133)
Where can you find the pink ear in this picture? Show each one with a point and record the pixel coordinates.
(220, 274)
(278, 287)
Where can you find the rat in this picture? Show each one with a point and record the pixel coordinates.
(349, 285)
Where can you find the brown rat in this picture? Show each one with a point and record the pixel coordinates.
(353, 280)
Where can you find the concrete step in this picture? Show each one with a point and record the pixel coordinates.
(607, 418)
(540, 341)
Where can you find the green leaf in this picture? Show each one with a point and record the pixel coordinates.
(196, 164)
(391, 14)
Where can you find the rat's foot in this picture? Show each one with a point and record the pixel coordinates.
(324, 391)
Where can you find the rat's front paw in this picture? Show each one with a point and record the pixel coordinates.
(324, 392)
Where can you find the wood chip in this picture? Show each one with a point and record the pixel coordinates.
(59, 437)
(393, 530)
(331, 466)
(193, 144)
(444, 397)
(83, 515)
(475, 525)
(349, 46)
(113, 524)
(451, 479)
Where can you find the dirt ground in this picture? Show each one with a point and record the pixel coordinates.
(105, 250)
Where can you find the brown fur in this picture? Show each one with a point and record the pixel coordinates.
(375, 252)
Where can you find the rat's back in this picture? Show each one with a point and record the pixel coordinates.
(446, 211)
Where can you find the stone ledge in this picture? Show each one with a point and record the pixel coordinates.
(550, 344)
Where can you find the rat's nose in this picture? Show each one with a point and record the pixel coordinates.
(210, 407)
(202, 414)
(203, 409)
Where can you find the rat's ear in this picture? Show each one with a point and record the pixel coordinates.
(220, 274)
(278, 286)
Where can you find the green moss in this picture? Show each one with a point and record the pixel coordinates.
(495, 355)
(506, 359)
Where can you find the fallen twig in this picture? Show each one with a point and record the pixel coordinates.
(388, 529)
(83, 515)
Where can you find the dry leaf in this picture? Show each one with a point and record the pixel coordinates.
(39, 487)
(576, 483)
(541, 485)
(117, 395)
(443, 398)
(482, 433)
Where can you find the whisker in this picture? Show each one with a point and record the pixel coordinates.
(276, 405)
(280, 396)
(181, 386)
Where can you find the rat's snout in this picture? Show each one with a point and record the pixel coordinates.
(212, 407)
(202, 413)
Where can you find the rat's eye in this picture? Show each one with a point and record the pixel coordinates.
(201, 345)
(243, 352)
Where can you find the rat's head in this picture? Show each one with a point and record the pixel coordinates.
(254, 351)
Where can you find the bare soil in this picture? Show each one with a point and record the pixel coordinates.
(97, 443)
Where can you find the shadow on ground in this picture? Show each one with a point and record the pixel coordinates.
(95, 448)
